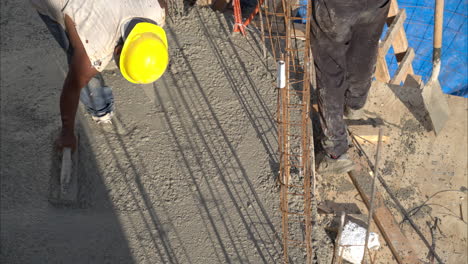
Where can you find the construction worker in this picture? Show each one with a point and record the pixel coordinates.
(345, 37)
(92, 33)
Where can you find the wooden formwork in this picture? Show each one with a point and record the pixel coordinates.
(396, 38)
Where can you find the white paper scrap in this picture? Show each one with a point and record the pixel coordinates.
(352, 242)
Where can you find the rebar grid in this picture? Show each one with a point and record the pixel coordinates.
(295, 128)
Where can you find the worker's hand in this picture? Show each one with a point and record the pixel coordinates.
(65, 140)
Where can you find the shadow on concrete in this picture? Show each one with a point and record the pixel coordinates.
(233, 211)
(159, 248)
(245, 89)
(86, 232)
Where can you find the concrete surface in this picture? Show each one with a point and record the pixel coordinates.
(187, 175)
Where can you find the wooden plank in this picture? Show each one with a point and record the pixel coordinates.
(367, 133)
(400, 42)
(403, 68)
(219, 5)
(381, 69)
(393, 11)
(204, 2)
(392, 31)
(371, 139)
(363, 130)
(315, 107)
(399, 245)
(298, 29)
(413, 80)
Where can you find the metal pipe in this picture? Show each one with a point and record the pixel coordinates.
(281, 74)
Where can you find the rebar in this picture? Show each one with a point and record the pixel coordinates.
(372, 196)
(262, 28)
(295, 129)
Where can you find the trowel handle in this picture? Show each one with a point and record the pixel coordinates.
(438, 21)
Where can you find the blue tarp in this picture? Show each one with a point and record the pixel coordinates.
(419, 27)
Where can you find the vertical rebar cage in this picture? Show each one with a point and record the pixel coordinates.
(289, 40)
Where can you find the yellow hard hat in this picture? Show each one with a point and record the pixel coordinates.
(144, 56)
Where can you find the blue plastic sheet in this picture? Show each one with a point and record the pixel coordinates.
(419, 27)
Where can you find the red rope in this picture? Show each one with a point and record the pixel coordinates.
(238, 26)
(251, 17)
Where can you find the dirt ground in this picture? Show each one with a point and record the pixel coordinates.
(426, 173)
(187, 175)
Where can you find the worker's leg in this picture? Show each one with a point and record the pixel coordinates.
(96, 96)
(331, 33)
(59, 35)
(362, 52)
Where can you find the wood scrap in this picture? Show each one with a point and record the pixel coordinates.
(361, 179)
(381, 70)
(367, 134)
(299, 29)
(204, 2)
(385, 221)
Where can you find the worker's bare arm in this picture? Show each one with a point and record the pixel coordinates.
(163, 4)
(79, 73)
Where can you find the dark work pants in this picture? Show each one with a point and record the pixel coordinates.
(344, 40)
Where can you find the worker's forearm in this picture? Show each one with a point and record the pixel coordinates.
(163, 4)
(79, 73)
(69, 100)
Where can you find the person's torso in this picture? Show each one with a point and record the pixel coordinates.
(98, 22)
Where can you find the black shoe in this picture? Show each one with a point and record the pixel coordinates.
(353, 114)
